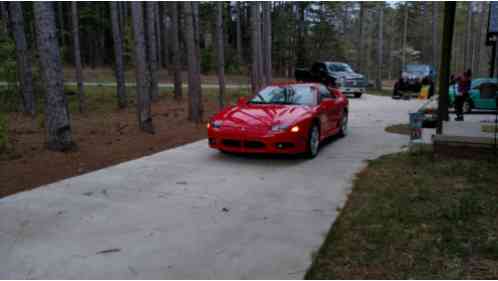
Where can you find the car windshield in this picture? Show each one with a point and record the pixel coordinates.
(297, 94)
(417, 69)
(340, 67)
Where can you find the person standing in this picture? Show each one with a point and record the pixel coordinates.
(462, 93)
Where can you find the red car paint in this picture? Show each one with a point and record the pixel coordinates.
(247, 128)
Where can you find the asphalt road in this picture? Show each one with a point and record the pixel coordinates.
(192, 212)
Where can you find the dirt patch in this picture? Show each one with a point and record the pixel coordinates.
(402, 129)
(105, 136)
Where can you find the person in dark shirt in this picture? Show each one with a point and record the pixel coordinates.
(462, 93)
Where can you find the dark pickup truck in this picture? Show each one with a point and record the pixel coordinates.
(335, 74)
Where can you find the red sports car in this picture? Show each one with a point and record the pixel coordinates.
(289, 118)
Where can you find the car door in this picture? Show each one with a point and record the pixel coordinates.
(328, 110)
(483, 93)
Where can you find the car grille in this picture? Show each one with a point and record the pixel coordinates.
(254, 144)
(356, 82)
(246, 144)
(232, 143)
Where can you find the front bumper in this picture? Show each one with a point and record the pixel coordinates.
(237, 141)
(352, 90)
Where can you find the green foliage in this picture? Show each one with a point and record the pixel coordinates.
(207, 60)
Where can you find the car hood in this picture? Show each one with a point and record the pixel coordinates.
(262, 116)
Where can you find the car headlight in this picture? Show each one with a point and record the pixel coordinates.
(281, 128)
(278, 128)
(339, 81)
(215, 124)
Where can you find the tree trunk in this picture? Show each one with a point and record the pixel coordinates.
(60, 11)
(467, 37)
(444, 78)
(300, 44)
(255, 74)
(143, 95)
(434, 33)
(194, 81)
(361, 39)
(380, 46)
(158, 30)
(405, 34)
(77, 56)
(118, 55)
(479, 41)
(220, 51)
(267, 42)
(57, 120)
(238, 33)
(5, 17)
(24, 72)
(175, 50)
(166, 33)
(152, 50)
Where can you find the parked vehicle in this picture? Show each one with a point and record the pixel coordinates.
(482, 94)
(283, 119)
(413, 77)
(337, 74)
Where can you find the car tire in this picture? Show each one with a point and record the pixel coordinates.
(357, 95)
(343, 131)
(313, 143)
(467, 106)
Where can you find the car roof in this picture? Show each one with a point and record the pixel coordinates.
(295, 83)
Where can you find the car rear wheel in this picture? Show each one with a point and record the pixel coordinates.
(357, 95)
(313, 141)
(343, 131)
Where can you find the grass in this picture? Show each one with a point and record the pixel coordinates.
(384, 93)
(411, 217)
(489, 129)
(402, 129)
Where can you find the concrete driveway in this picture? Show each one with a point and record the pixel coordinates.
(192, 212)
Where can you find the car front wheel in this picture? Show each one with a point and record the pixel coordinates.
(313, 141)
(343, 131)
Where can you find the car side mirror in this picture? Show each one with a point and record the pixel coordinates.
(241, 101)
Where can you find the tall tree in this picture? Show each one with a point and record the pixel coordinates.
(380, 46)
(301, 38)
(118, 55)
(4, 13)
(434, 33)
(255, 48)
(24, 72)
(267, 42)
(444, 78)
(467, 39)
(152, 50)
(165, 34)
(158, 32)
(194, 78)
(405, 35)
(238, 32)
(143, 95)
(77, 55)
(361, 38)
(57, 119)
(220, 52)
(60, 12)
(479, 41)
(175, 50)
